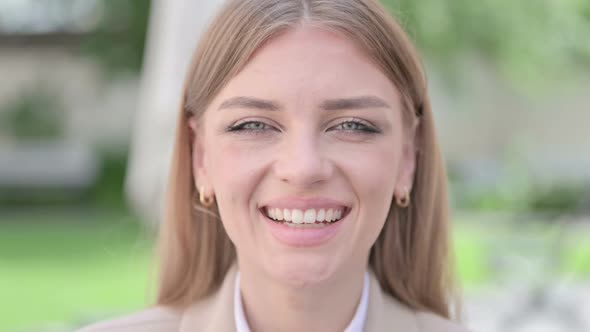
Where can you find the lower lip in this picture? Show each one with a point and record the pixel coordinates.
(303, 236)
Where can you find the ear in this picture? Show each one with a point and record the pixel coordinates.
(407, 168)
(198, 161)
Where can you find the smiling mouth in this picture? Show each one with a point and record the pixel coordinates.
(305, 218)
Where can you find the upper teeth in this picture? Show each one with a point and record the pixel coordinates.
(308, 216)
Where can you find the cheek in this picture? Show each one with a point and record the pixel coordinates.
(235, 166)
(372, 175)
(235, 172)
(372, 169)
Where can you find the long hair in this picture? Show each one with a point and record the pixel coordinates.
(411, 257)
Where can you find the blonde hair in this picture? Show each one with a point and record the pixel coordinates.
(411, 257)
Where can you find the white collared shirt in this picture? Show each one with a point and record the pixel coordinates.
(356, 325)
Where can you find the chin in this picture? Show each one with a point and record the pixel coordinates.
(302, 269)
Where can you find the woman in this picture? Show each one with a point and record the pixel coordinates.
(307, 190)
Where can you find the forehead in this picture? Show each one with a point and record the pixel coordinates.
(312, 62)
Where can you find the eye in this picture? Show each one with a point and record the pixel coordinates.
(256, 127)
(356, 125)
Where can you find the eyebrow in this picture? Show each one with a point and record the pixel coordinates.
(354, 103)
(328, 105)
(249, 102)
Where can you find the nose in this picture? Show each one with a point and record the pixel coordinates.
(301, 161)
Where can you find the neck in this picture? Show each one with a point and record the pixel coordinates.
(271, 305)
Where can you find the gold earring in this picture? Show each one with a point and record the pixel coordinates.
(405, 200)
(206, 201)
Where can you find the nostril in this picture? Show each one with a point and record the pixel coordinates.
(303, 168)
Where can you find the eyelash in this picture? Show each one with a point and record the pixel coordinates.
(366, 129)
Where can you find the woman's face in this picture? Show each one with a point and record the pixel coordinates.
(310, 129)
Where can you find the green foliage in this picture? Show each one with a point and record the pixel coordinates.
(530, 42)
(514, 188)
(108, 192)
(34, 114)
(523, 197)
(118, 42)
(561, 198)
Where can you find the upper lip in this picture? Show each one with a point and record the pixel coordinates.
(304, 203)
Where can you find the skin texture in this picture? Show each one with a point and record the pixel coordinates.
(298, 148)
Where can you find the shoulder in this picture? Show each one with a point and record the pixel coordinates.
(154, 319)
(429, 322)
(420, 321)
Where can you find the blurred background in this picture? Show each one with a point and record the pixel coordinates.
(89, 91)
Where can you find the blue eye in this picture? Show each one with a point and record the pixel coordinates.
(249, 126)
(355, 125)
(258, 127)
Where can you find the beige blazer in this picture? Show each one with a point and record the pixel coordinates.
(215, 314)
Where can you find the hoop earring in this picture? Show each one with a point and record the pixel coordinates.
(403, 202)
(206, 201)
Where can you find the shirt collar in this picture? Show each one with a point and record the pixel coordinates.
(356, 325)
